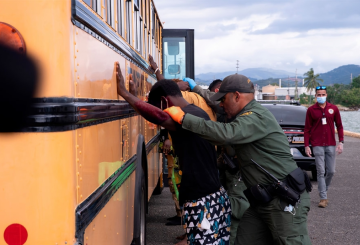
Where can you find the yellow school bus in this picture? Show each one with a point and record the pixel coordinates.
(84, 168)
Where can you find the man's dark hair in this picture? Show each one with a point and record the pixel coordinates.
(214, 83)
(164, 88)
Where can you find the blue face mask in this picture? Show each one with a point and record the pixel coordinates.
(321, 100)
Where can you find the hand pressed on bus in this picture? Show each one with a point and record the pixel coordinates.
(154, 67)
(132, 87)
(120, 81)
(149, 112)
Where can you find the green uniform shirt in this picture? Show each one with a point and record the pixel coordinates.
(254, 134)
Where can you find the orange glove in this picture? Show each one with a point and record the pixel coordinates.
(175, 113)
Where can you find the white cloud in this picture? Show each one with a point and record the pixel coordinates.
(304, 58)
(286, 35)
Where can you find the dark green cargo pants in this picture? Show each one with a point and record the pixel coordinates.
(235, 188)
(269, 224)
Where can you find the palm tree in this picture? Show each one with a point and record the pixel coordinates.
(312, 81)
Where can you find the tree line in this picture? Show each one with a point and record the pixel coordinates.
(339, 94)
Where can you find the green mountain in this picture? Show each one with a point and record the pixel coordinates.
(263, 77)
(340, 75)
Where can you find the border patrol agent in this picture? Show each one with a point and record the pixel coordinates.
(254, 134)
(229, 178)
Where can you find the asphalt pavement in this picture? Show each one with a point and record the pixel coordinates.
(339, 223)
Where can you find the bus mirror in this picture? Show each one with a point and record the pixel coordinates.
(173, 47)
(174, 69)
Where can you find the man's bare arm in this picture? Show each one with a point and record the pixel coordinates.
(149, 112)
(154, 66)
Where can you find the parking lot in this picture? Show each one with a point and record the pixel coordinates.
(339, 223)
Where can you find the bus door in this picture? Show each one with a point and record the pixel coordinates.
(178, 53)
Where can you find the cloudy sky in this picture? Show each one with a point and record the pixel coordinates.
(278, 34)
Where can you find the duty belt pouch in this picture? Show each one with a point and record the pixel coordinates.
(258, 194)
(296, 180)
(286, 193)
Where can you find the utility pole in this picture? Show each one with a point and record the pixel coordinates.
(288, 90)
(237, 66)
(296, 96)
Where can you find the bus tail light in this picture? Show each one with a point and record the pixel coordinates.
(11, 37)
(15, 234)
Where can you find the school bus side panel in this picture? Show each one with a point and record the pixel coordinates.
(94, 67)
(47, 29)
(38, 187)
(101, 150)
(95, 78)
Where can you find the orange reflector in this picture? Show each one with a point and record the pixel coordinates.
(15, 234)
(11, 37)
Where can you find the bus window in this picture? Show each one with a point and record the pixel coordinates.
(103, 9)
(109, 12)
(152, 21)
(120, 17)
(88, 2)
(129, 22)
(92, 4)
(138, 26)
(145, 43)
(174, 57)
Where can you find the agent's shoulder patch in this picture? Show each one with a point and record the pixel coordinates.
(246, 113)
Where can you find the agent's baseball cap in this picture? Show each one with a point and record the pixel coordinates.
(234, 83)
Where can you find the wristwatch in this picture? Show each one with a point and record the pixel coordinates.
(342, 142)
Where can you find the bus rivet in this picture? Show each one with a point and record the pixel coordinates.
(87, 238)
(80, 196)
(75, 43)
(76, 84)
(105, 216)
(80, 152)
(77, 159)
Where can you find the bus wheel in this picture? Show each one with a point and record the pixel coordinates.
(143, 212)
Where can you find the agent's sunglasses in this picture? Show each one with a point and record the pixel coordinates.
(320, 88)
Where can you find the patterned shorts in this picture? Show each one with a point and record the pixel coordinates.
(216, 209)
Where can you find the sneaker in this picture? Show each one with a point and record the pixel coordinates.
(173, 218)
(323, 203)
(174, 222)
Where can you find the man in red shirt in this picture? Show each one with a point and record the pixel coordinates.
(320, 132)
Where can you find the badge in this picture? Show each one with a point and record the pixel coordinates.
(246, 113)
(323, 121)
(331, 111)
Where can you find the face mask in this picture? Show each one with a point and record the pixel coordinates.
(321, 100)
